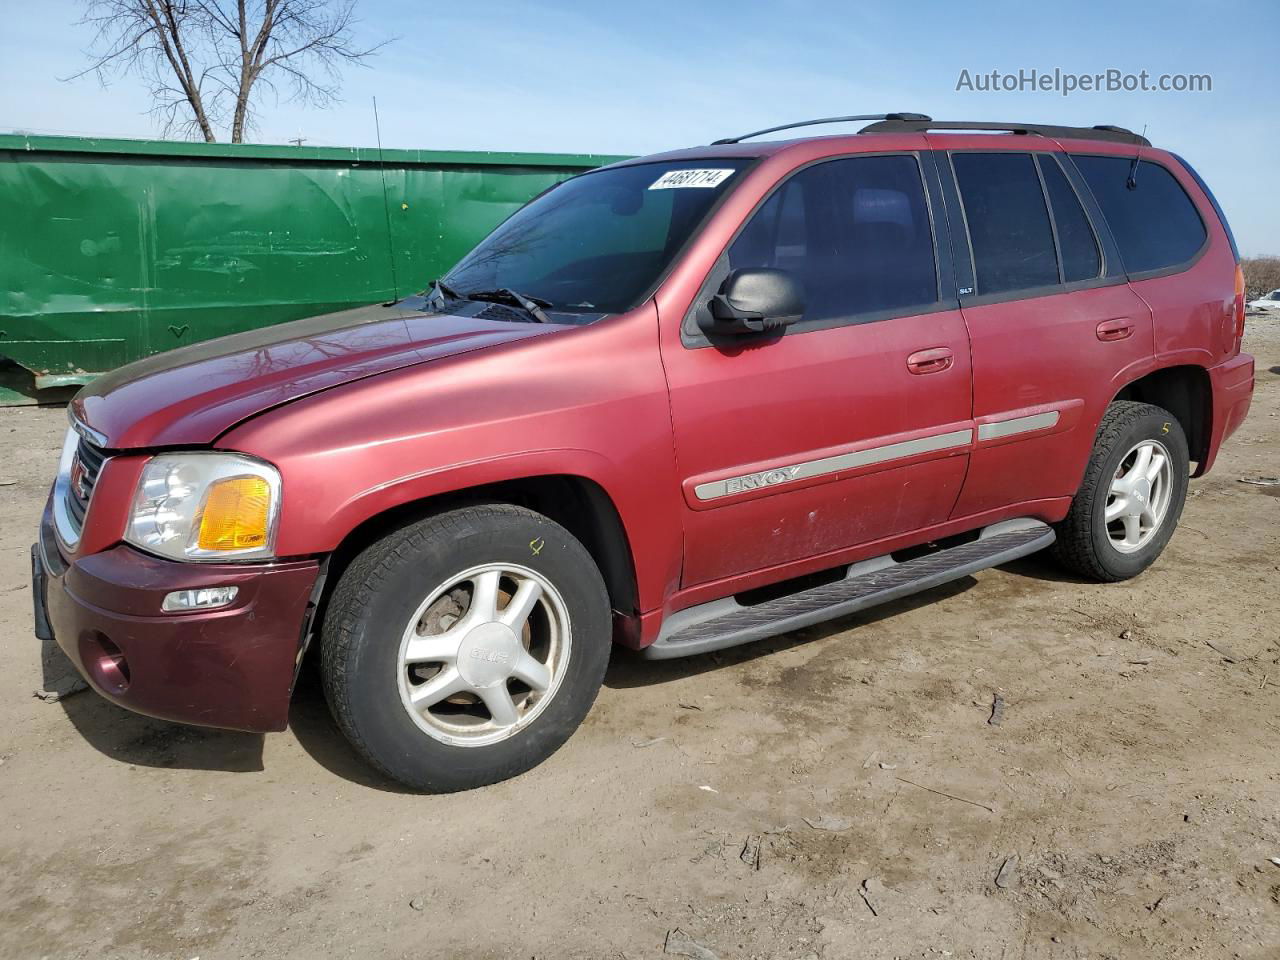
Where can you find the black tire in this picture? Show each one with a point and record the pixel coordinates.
(1083, 544)
(379, 592)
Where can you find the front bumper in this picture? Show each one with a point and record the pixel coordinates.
(233, 667)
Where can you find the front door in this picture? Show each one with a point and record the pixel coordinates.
(852, 426)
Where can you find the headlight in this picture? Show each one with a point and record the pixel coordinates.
(206, 506)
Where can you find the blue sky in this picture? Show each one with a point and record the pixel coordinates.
(637, 78)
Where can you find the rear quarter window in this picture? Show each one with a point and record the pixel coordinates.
(1156, 225)
(1077, 246)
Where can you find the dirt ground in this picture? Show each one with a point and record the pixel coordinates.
(837, 793)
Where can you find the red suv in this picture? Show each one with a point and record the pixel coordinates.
(678, 403)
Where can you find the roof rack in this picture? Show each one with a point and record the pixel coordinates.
(904, 124)
(884, 117)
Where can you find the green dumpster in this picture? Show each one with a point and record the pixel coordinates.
(111, 250)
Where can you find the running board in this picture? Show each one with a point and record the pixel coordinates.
(727, 623)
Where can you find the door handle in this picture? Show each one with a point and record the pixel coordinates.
(930, 361)
(1119, 329)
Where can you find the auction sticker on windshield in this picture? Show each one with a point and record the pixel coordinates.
(690, 178)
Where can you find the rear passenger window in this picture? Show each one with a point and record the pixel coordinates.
(1155, 224)
(855, 232)
(1077, 246)
(1008, 222)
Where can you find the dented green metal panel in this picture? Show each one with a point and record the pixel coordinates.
(111, 250)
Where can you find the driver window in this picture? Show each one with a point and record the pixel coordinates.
(855, 232)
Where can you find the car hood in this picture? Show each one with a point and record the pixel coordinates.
(192, 395)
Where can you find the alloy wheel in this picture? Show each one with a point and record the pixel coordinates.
(1139, 495)
(484, 654)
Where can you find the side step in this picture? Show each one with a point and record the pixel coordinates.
(727, 623)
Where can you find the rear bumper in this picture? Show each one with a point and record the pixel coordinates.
(1232, 384)
(233, 667)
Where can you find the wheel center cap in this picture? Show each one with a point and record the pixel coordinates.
(487, 654)
(1142, 490)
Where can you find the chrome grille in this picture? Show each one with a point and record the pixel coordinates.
(85, 469)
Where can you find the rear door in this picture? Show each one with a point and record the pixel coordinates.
(1052, 322)
(854, 424)
(1164, 243)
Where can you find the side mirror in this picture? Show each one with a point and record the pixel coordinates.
(755, 300)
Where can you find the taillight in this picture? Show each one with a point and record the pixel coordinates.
(1239, 303)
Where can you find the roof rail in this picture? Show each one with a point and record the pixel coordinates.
(1101, 132)
(886, 117)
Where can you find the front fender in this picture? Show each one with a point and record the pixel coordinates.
(589, 403)
(367, 503)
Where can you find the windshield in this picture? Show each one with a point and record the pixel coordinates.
(597, 243)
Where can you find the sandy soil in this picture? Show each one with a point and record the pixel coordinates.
(838, 793)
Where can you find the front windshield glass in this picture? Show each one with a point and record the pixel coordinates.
(599, 242)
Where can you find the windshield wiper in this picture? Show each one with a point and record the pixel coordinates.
(440, 287)
(505, 295)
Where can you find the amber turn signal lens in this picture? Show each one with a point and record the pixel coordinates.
(236, 514)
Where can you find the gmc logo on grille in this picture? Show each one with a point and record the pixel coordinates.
(77, 479)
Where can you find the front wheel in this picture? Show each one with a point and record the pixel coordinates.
(467, 647)
(1132, 496)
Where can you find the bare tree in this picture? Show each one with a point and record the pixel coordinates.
(206, 62)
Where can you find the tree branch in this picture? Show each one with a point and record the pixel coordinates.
(206, 62)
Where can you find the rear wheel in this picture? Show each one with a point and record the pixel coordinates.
(465, 648)
(1132, 496)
